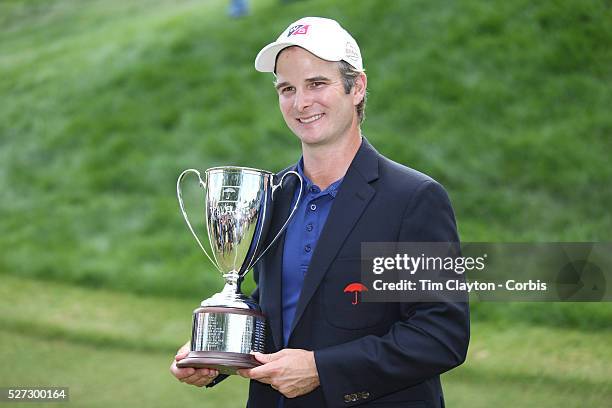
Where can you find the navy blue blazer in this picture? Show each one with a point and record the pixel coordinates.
(368, 354)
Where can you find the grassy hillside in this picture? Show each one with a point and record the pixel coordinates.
(105, 102)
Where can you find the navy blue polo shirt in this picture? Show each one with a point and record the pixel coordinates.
(301, 239)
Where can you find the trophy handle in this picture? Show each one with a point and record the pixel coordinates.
(179, 195)
(286, 224)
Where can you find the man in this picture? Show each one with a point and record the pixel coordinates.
(325, 350)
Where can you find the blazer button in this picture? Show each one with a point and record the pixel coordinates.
(353, 397)
(347, 398)
(365, 395)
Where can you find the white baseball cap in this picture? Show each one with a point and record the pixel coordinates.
(323, 37)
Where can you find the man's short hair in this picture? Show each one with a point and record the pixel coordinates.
(349, 75)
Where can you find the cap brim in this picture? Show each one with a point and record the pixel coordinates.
(266, 59)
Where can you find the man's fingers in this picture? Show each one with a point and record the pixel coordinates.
(263, 373)
(265, 380)
(266, 358)
(202, 382)
(179, 356)
(189, 375)
(202, 374)
(182, 352)
(255, 372)
(244, 373)
(206, 379)
(184, 349)
(181, 373)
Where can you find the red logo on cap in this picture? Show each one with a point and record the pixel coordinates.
(298, 29)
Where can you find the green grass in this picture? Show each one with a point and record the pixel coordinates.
(98, 317)
(104, 102)
(104, 377)
(110, 349)
(114, 349)
(514, 365)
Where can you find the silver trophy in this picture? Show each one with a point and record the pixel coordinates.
(228, 326)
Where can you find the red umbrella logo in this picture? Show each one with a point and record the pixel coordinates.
(355, 287)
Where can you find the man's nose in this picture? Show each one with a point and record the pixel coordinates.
(302, 101)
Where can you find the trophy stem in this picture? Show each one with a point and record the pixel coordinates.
(232, 283)
(230, 296)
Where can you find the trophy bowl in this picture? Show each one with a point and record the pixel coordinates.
(238, 205)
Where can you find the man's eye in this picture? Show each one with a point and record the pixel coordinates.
(317, 84)
(287, 89)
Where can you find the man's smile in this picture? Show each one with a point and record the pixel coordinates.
(310, 119)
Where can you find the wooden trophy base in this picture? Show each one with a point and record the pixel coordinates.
(224, 362)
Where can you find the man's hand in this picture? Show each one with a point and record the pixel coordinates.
(292, 372)
(199, 377)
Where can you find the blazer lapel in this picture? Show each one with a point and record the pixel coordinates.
(353, 197)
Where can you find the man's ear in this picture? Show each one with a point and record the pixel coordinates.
(359, 90)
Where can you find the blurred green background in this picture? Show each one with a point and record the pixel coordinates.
(103, 103)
